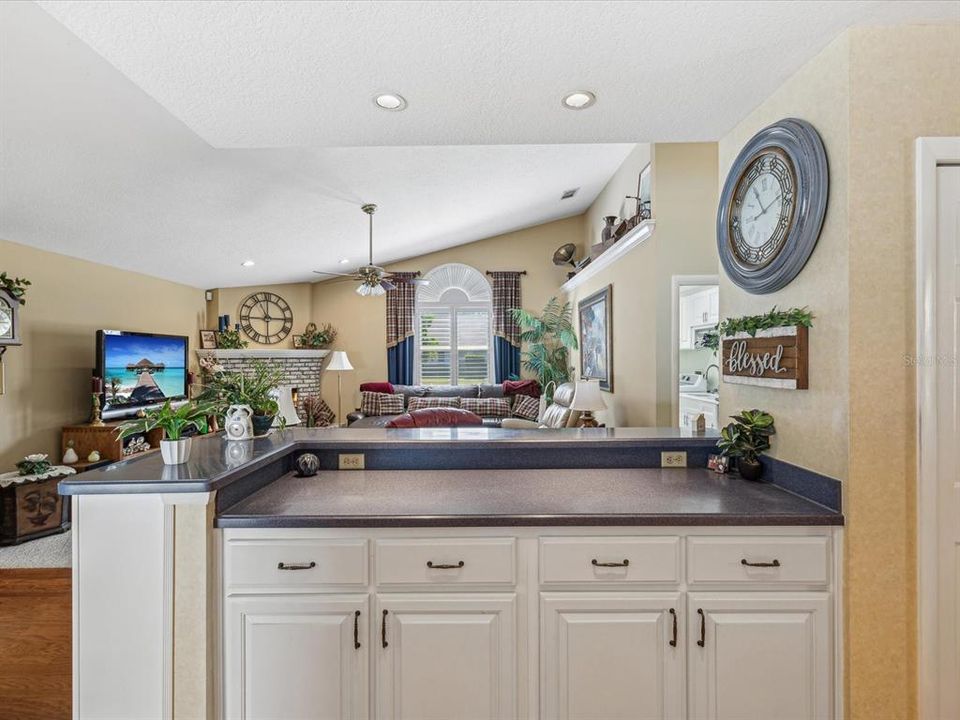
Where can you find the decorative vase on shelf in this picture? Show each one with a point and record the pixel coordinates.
(606, 235)
(176, 452)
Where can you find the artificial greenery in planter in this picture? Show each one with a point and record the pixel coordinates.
(751, 324)
(174, 448)
(318, 338)
(17, 287)
(549, 339)
(230, 340)
(34, 465)
(745, 439)
(222, 389)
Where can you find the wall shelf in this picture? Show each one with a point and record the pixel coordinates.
(633, 239)
(265, 353)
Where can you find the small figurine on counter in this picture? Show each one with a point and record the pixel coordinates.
(94, 456)
(70, 455)
(701, 424)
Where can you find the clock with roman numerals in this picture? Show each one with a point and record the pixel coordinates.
(772, 206)
(266, 318)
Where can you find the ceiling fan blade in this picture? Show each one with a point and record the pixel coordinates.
(409, 281)
(387, 285)
(323, 272)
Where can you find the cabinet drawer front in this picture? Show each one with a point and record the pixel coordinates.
(295, 562)
(610, 559)
(774, 560)
(442, 561)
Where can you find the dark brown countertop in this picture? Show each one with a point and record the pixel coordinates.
(471, 498)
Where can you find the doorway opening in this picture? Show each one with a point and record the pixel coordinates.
(696, 368)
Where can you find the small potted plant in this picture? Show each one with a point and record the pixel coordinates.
(174, 448)
(318, 339)
(745, 439)
(256, 389)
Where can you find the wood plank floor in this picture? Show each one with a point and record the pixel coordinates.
(35, 626)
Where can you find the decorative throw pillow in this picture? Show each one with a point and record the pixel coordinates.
(374, 403)
(416, 403)
(323, 415)
(487, 407)
(526, 407)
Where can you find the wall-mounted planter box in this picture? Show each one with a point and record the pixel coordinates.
(776, 358)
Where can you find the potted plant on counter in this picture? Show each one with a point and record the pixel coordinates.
(255, 389)
(745, 439)
(174, 448)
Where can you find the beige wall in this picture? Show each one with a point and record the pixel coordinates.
(684, 198)
(361, 322)
(226, 301)
(871, 93)
(48, 378)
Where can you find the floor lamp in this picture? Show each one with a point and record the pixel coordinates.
(339, 362)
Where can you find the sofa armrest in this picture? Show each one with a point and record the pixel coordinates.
(352, 417)
(519, 424)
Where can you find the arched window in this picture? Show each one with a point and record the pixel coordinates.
(454, 335)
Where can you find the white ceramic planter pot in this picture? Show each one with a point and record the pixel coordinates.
(176, 452)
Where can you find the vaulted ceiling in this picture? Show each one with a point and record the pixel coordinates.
(180, 138)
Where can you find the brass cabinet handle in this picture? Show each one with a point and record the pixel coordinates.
(673, 643)
(703, 628)
(356, 630)
(383, 630)
(775, 563)
(625, 563)
(296, 566)
(441, 566)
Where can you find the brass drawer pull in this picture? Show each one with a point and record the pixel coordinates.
(775, 563)
(673, 643)
(296, 566)
(444, 567)
(625, 563)
(356, 630)
(703, 628)
(383, 630)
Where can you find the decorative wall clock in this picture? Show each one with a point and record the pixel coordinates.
(772, 206)
(266, 318)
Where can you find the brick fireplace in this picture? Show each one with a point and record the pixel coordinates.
(301, 368)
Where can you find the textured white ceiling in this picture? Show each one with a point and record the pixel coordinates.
(274, 74)
(90, 166)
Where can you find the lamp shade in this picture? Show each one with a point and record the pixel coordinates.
(339, 361)
(287, 407)
(587, 396)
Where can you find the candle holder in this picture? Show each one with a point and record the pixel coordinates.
(95, 419)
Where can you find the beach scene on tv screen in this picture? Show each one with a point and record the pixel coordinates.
(139, 369)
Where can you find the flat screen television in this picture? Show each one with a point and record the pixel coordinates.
(140, 370)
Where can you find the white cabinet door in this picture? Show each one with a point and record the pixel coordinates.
(713, 305)
(446, 656)
(759, 656)
(685, 320)
(296, 656)
(611, 656)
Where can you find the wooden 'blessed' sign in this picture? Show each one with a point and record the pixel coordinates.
(772, 358)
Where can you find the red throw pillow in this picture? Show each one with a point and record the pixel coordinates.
(521, 387)
(435, 417)
(377, 387)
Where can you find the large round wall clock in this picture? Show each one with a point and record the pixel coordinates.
(772, 206)
(266, 318)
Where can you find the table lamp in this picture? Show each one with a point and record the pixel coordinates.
(339, 362)
(587, 399)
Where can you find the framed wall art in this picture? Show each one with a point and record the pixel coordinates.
(596, 337)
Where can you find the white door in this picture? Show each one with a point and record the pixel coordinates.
(296, 656)
(446, 656)
(759, 656)
(611, 656)
(948, 424)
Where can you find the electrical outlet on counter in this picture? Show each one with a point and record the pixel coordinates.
(351, 461)
(673, 459)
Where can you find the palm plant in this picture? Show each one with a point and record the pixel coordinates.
(549, 339)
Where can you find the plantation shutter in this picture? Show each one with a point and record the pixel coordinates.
(436, 344)
(473, 346)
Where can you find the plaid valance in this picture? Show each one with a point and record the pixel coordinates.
(401, 304)
(506, 297)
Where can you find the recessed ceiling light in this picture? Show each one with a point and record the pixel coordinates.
(390, 101)
(344, 261)
(248, 263)
(579, 100)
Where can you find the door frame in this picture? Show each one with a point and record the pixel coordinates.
(675, 283)
(930, 153)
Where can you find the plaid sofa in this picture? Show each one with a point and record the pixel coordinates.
(357, 419)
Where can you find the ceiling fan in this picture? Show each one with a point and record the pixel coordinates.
(373, 279)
